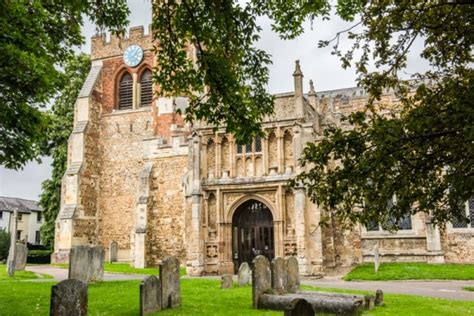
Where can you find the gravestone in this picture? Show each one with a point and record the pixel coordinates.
(302, 308)
(261, 278)
(113, 249)
(226, 281)
(69, 298)
(279, 275)
(376, 258)
(379, 298)
(150, 295)
(170, 288)
(293, 275)
(20, 256)
(244, 274)
(86, 263)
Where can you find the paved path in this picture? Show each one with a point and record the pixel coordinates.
(60, 274)
(441, 289)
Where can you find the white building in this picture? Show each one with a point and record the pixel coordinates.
(30, 218)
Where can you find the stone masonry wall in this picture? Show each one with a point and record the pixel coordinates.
(458, 245)
(122, 160)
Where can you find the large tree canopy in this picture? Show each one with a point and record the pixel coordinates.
(36, 39)
(420, 154)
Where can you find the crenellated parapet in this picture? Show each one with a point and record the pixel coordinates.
(101, 47)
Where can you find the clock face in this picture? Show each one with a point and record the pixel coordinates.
(133, 55)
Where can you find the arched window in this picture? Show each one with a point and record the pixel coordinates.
(258, 144)
(146, 91)
(125, 92)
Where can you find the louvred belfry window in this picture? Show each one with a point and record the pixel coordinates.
(146, 90)
(126, 92)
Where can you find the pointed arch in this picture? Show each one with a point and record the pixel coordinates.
(146, 88)
(125, 91)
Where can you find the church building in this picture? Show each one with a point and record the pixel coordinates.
(140, 176)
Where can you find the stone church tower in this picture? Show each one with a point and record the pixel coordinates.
(138, 175)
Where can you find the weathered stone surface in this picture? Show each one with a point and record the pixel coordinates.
(170, 286)
(69, 298)
(379, 298)
(86, 263)
(293, 275)
(302, 308)
(279, 275)
(20, 256)
(245, 274)
(113, 250)
(376, 258)
(369, 302)
(261, 278)
(150, 295)
(226, 281)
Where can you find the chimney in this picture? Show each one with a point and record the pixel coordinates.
(298, 77)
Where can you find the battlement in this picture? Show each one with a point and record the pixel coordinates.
(115, 46)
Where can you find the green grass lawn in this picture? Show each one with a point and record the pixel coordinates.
(469, 288)
(21, 275)
(199, 297)
(124, 268)
(412, 271)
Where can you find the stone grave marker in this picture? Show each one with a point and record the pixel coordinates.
(376, 258)
(261, 278)
(86, 263)
(20, 256)
(170, 287)
(113, 250)
(302, 308)
(150, 295)
(69, 298)
(293, 275)
(379, 298)
(279, 275)
(244, 274)
(226, 281)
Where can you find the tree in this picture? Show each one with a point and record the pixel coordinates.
(421, 153)
(4, 244)
(61, 118)
(36, 41)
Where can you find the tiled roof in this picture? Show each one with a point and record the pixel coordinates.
(24, 206)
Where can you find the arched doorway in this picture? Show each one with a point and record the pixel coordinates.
(252, 232)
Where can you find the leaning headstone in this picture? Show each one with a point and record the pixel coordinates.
(86, 263)
(279, 275)
(20, 256)
(293, 275)
(170, 288)
(245, 274)
(69, 298)
(150, 295)
(113, 249)
(261, 278)
(226, 281)
(376, 258)
(302, 308)
(379, 298)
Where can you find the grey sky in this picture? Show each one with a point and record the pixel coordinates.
(317, 64)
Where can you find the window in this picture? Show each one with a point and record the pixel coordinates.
(248, 148)
(37, 237)
(401, 223)
(18, 235)
(1, 215)
(462, 222)
(146, 90)
(258, 144)
(239, 148)
(20, 216)
(38, 217)
(125, 92)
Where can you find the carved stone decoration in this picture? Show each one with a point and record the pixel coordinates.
(211, 251)
(290, 249)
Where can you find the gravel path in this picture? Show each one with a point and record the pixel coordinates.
(60, 274)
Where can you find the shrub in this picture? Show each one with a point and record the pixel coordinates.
(4, 244)
(39, 256)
